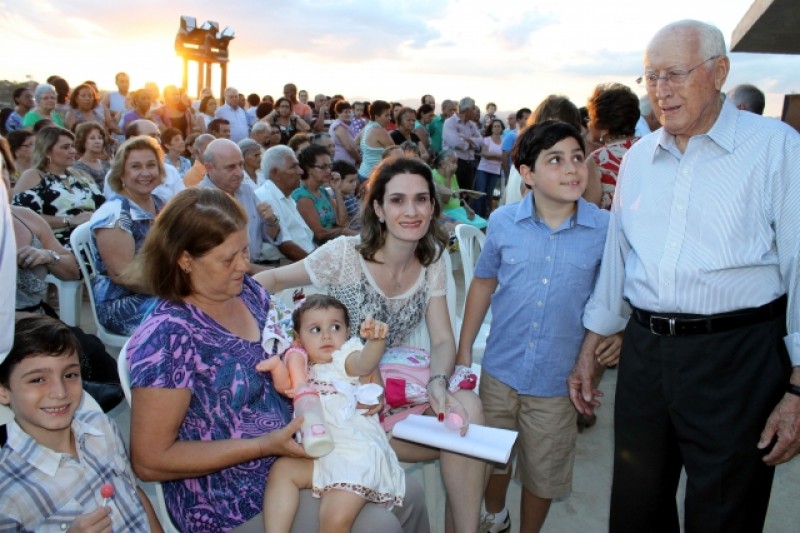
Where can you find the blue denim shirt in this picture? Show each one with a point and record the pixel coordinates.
(544, 279)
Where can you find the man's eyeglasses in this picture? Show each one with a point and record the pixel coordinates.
(675, 77)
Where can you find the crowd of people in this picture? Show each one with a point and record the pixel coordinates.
(657, 235)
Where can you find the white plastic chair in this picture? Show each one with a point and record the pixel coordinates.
(125, 381)
(69, 299)
(470, 243)
(79, 240)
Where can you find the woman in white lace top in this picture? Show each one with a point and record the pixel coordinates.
(395, 273)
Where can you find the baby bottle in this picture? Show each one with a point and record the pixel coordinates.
(314, 435)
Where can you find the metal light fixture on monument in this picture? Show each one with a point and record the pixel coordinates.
(206, 45)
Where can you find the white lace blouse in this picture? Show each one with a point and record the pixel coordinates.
(340, 271)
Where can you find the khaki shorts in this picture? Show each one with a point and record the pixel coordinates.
(545, 447)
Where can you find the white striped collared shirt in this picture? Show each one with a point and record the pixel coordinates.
(44, 491)
(710, 230)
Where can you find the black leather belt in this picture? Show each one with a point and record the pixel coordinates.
(685, 324)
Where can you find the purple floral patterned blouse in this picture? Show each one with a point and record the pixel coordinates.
(179, 346)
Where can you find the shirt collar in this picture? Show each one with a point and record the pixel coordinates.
(271, 185)
(584, 215)
(722, 133)
(210, 184)
(41, 457)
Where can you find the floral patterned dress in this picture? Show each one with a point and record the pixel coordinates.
(608, 159)
(61, 196)
(119, 309)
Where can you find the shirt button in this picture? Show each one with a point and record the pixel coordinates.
(666, 283)
(63, 527)
(539, 303)
(535, 325)
(545, 281)
(532, 345)
(548, 258)
(552, 237)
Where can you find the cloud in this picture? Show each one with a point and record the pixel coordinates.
(771, 73)
(48, 21)
(355, 30)
(604, 62)
(517, 34)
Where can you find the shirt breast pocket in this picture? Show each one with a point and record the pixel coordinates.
(581, 269)
(512, 266)
(62, 518)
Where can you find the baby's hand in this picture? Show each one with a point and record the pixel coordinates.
(372, 329)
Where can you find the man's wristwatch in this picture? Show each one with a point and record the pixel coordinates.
(54, 257)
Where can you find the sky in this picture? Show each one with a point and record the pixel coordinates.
(511, 52)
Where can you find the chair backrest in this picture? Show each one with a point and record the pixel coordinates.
(125, 381)
(124, 374)
(470, 243)
(80, 241)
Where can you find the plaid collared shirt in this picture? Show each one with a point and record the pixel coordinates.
(44, 491)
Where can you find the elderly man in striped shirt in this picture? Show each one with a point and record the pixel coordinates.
(702, 255)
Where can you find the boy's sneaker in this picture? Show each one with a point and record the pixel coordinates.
(491, 522)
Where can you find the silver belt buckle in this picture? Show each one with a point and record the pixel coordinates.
(671, 322)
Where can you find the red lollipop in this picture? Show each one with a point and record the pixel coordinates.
(107, 492)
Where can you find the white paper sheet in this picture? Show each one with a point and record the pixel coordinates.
(492, 444)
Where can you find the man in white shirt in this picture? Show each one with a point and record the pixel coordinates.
(116, 102)
(700, 270)
(225, 171)
(234, 114)
(279, 165)
(462, 135)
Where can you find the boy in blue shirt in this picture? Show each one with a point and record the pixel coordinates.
(56, 460)
(537, 268)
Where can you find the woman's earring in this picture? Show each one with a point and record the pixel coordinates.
(380, 220)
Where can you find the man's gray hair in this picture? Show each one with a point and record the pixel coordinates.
(748, 96)
(259, 126)
(201, 143)
(247, 146)
(465, 103)
(275, 158)
(711, 40)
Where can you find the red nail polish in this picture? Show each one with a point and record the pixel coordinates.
(441, 417)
